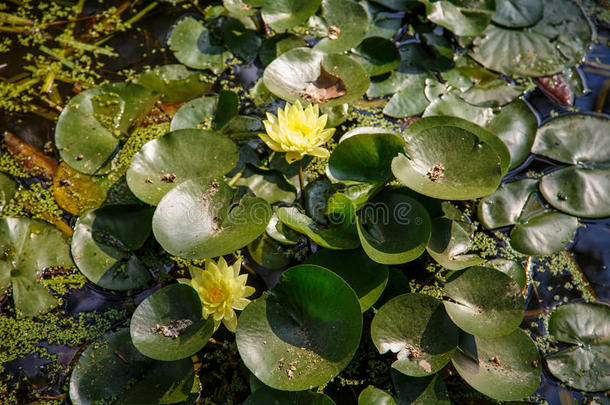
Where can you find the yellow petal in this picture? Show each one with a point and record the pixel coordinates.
(319, 152)
(293, 156)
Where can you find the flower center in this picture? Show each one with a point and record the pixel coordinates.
(216, 295)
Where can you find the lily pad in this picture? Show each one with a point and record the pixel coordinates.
(585, 365)
(174, 82)
(579, 190)
(518, 13)
(510, 267)
(267, 396)
(195, 113)
(374, 396)
(104, 245)
(200, 219)
(310, 75)
(341, 234)
(364, 155)
(107, 367)
(484, 302)
(304, 332)
(269, 253)
(451, 239)
(544, 234)
(28, 247)
(83, 141)
(285, 14)
(558, 41)
(276, 45)
(347, 22)
(179, 156)
(368, 279)
(191, 44)
(505, 205)
(377, 55)
(393, 227)
(268, 184)
(463, 18)
(168, 325)
(417, 328)
(505, 368)
(281, 233)
(77, 192)
(429, 390)
(243, 42)
(450, 158)
(8, 188)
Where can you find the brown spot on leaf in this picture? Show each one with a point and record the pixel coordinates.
(557, 89)
(436, 172)
(173, 329)
(169, 177)
(326, 87)
(425, 365)
(333, 32)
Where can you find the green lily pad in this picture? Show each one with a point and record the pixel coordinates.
(382, 22)
(368, 279)
(276, 45)
(241, 8)
(580, 140)
(281, 233)
(544, 234)
(104, 245)
(393, 227)
(179, 156)
(269, 253)
(267, 396)
(285, 14)
(28, 247)
(505, 205)
(463, 18)
(112, 367)
(194, 113)
(397, 4)
(347, 22)
(450, 158)
(416, 328)
(243, 42)
(585, 365)
(429, 390)
(451, 239)
(226, 109)
(201, 219)
(485, 302)
(451, 104)
(374, 396)
(510, 267)
(310, 75)
(304, 332)
(8, 188)
(506, 368)
(168, 325)
(518, 13)
(191, 44)
(340, 235)
(558, 41)
(516, 126)
(270, 185)
(377, 55)
(84, 143)
(364, 154)
(407, 101)
(138, 101)
(174, 82)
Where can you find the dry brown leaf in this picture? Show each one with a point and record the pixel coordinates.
(326, 87)
(30, 158)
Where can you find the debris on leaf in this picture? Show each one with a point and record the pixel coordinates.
(173, 329)
(436, 172)
(333, 32)
(326, 87)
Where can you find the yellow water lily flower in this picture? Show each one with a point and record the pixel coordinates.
(297, 132)
(221, 289)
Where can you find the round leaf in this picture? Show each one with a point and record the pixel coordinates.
(284, 14)
(544, 234)
(506, 368)
(104, 242)
(377, 55)
(175, 82)
(374, 396)
(420, 390)
(347, 22)
(450, 240)
(168, 324)
(510, 267)
(417, 328)
(200, 219)
(368, 280)
(190, 42)
(267, 396)
(365, 155)
(463, 21)
(585, 366)
(304, 332)
(518, 13)
(179, 156)
(310, 75)
(194, 113)
(504, 206)
(77, 192)
(393, 227)
(276, 45)
(107, 367)
(28, 247)
(485, 302)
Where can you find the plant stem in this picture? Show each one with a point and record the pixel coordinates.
(302, 183)
(236, 177)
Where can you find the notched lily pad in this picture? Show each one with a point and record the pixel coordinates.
(304, 332)
(347, 22)
(416, 328)
(283, 15)
(174, 82)
(104, 245)
(202, 218)
(28, 246)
